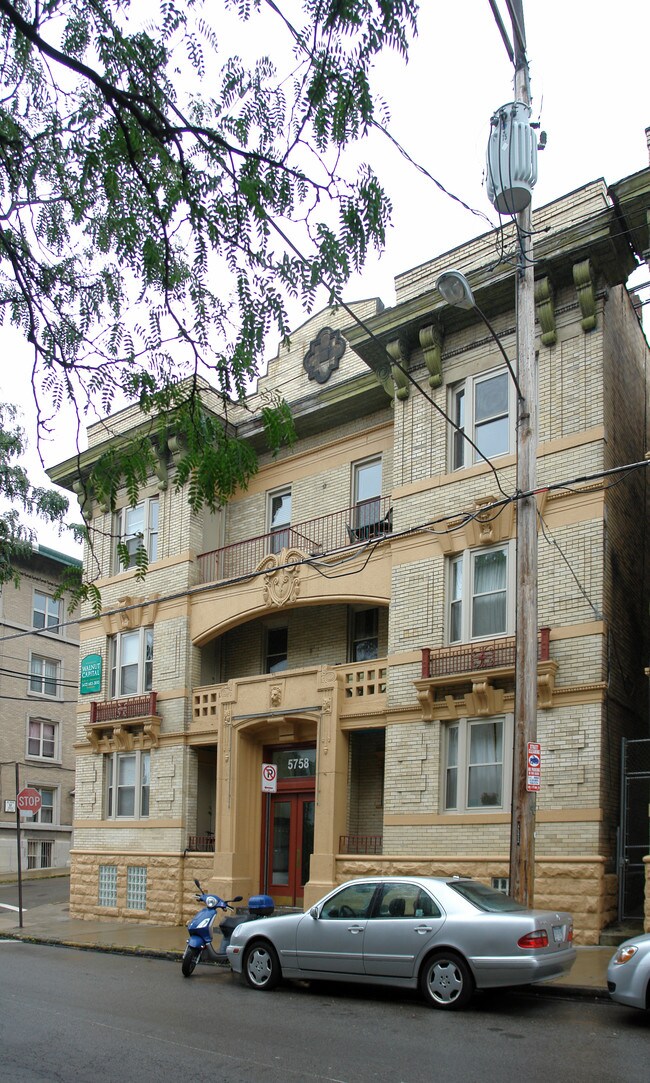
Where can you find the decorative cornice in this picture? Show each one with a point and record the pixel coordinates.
(431, 340)
(584, 283)
(545, 309)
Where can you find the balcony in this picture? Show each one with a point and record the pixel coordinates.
(355, 525)
(124, 724)
(488, 667)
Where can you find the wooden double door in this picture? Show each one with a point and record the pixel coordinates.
(290, 837)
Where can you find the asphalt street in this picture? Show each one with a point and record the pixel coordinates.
(77, 1015)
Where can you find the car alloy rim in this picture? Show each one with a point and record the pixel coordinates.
(445, 981)
(259, 966)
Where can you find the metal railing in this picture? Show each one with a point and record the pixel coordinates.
(115, 710)
(350, 526)
(201, 844)
(488, 654)
(360, 844)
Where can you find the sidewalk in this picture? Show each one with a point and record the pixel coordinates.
(52, 924)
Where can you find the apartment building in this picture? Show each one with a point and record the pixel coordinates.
(345, 626)
(39, 667)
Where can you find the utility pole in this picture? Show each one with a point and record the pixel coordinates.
(522, 832)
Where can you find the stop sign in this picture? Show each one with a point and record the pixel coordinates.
(29, 800)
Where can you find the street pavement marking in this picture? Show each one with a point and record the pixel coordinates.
(8, 906)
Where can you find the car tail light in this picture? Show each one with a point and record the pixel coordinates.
(537, 939)
(569, 934)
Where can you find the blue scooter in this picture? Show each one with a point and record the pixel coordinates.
(199, 943)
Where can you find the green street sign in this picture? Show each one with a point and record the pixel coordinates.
(91, 674)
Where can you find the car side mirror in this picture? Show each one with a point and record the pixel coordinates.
(314, 913)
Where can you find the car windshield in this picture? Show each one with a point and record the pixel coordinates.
(484, 897)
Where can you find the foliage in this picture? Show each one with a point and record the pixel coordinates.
(16, 537)
(162, 200)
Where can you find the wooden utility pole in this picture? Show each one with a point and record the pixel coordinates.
(522, 833)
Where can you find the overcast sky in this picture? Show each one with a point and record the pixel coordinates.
(589, 84)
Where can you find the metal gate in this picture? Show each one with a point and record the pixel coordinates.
(634, 836)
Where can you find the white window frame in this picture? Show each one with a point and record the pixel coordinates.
(146, 537)
(456, 743)
(461, 568)
(279, 528)
(126, 650)
(462, 408)
(47, 806)
(43, 678)
(48, 613)
(41, 755)
(116, 792)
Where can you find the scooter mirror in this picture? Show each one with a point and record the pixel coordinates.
(238, 898)
(198, 884)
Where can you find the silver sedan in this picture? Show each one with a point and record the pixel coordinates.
(628, 973)
(445, 936)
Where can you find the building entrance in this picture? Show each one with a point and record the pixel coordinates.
(289, 824)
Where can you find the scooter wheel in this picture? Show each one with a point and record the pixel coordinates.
(190, 958)
(261, 966)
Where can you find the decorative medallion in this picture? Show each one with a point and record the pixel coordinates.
(323, 356)
(281, 583)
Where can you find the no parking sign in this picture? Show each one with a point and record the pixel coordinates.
(534, 767)
(269, 778)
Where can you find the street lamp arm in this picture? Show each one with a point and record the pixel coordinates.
(503, 352)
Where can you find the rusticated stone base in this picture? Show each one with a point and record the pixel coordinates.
(170, 887)
(579, 885)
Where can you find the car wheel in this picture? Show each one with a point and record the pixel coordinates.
(262, 966)
(446, 981)
(190, 958)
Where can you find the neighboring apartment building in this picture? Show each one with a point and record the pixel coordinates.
(349, 619)
(39, 667)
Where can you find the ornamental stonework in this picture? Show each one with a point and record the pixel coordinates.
(323, 356)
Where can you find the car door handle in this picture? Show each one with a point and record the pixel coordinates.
(355, 928)
(423, 928)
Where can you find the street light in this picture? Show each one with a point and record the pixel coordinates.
(456, 290)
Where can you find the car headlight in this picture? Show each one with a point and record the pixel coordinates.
(623, 955)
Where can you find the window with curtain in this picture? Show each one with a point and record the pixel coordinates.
(477, 768)
(131, 658)
(128, 785)
(480, 594)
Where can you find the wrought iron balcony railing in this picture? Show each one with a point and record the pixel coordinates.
(360, 844)
(117, 710)
(470, 657)
(360, 523)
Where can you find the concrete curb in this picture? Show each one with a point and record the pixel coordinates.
(553, 990)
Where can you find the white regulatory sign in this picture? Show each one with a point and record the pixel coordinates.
(269, 778)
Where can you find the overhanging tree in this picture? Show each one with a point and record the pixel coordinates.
(161, 199)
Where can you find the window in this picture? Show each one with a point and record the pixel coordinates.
(406, 901)
(481, 594)
(367, 497)
(136, 887)
(131, 655)
(128, 785)
(276, 649)
(39, 853)
(44, 675)
(476, 771)
(280, 519)
(351, 901)
(42, 739)
(364, 634)
(47, 612)
(45, 814)
(483, 408)
(107, 894)
(137, 528)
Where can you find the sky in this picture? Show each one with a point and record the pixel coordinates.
(589, 87)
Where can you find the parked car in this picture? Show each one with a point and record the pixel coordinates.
(445, 936)
(628, 973)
